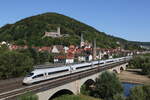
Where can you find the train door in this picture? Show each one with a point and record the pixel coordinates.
(92, 64)
(45, 75)
(71, 69)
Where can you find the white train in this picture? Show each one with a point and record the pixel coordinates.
(38, 75)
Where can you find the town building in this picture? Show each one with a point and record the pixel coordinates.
(57, 49)
(67, 59)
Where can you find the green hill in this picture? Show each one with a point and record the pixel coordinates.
(31, 30)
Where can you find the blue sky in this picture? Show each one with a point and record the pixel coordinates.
(129, 19)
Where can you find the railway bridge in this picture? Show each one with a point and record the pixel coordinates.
(77, 80)
(69, 84)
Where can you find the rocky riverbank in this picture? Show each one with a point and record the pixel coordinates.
(133, 76)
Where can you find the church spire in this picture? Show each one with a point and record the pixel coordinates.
(82, 40)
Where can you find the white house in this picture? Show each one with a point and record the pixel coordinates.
(81, 58)
(69, 60)
(57, 49)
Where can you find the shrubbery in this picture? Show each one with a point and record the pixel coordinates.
(142, 62)
(28, 96)
(140, 93)
(38, 57)
(107, 87)
(75, 97)
(18, 63)
(14, 64)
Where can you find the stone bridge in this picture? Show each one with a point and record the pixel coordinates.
(74, 86)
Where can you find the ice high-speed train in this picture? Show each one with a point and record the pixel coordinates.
(38, 75)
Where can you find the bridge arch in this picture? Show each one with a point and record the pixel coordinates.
(60, 93)
(89, 82)
(115, 71)
(87, 86)
(121, 69)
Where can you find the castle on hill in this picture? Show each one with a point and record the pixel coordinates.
(56, 34)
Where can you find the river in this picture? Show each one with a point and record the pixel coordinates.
(127, 87)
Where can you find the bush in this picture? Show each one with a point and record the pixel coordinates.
(28, 96)
(14, 64)
(118, 97)
(107, 86)
(146, 68)
(75, 97)
(140, 93)
(142, 62)
(84, 90)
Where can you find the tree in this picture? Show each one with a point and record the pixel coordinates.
(142, 62)
(140, 93)
(3, 48)
(43, 57)
(146, 68)
(118, 97)
(14, 64)
(107, 85)
(84, 90)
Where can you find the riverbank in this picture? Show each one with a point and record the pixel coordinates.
(133, 76)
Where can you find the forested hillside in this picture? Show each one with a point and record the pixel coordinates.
(30, 31)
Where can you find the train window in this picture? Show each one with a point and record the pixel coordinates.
(96, 64)
(109, 61)
(101, 63)
(30, 74)
(37, 76)
(58, 71)
(82, 67)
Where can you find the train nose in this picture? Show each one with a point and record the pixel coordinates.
(26, 80)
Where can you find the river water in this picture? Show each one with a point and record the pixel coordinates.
(127, 87)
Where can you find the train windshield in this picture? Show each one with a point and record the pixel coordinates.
(30, 74)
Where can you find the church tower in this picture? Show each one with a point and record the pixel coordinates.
(94, 50)
(82, 41)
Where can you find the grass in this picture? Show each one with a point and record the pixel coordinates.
(75, 97)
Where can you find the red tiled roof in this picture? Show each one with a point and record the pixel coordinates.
(68, 56)
(44, 49)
